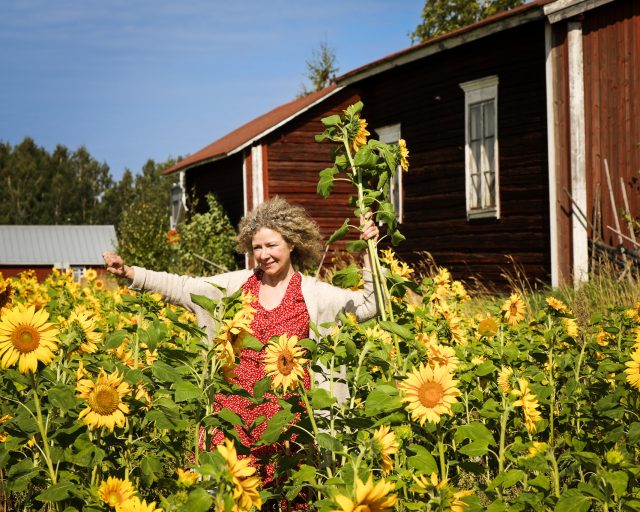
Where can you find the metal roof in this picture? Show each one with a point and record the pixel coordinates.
(55, 245)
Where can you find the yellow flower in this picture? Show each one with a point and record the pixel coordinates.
(513, 309)
(136, 505)
(26, 338)
(104, 400)
(529, 404)
(603, 338)
(441, 355)
(488, 327)
(404, 155)
(571, 327)
(229, 339)
(398, 268)
(368, 498)
(376, 333)
(536, 448)
(504, 379)
(429, 393)
(5, 292)
(456, 503)
(456, 329)
(246, 484)
(114, 491)
(358, 136)
(557, 305)
(283, 361)
(453, 499)
(85, 326)
(443, 277)
(186, 478)
(478, 360)
(633, 370)
(386, 444)
(90, 274)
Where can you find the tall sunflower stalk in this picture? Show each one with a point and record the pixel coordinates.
(370, 166)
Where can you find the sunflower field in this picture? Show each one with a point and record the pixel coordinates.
(107, 395)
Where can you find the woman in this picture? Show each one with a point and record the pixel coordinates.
(283, 240)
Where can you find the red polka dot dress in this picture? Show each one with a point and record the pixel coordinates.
(290, 317)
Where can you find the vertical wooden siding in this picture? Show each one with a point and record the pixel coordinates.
(612, 106)
(426, 99)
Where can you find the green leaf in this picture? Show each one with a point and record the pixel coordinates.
(57, 492)
(325, 183)
(209, 305)
(328, 442)
(321, 399)
(251, 342)
(186, 391)
(475, 449)
(357, 245)
(385, 214)
(354, 109)
(199, 500)
(62, 397)
(382, 399)
(150, 469)
(400, 330)
(365, 158)
(618, 481)
(422, 461)
(475, 431)
(347, 277)
(274, 428)
(484, 369)
(115, 339)
(229, 416)
(164, 372)
(333, 120)
(634, 432)
(340, 232)
(397, 237)
(262, 386)
(541, 482)
(572, 500)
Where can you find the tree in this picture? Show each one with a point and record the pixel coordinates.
(442, 16)
(321, 69)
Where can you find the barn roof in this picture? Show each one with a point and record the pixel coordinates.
(55, 245)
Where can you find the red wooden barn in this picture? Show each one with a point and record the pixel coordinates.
(509, 122)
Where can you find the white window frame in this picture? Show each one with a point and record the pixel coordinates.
(483, 90)
(391, 134)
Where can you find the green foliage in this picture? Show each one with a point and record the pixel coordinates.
(442, 16)
(206, 236)
(321, 69)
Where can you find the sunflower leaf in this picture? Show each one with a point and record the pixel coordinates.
(340, 232)
(199, 500)
(186, 391)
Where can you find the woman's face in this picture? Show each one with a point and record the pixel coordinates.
(272, 252)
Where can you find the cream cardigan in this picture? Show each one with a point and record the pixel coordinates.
(324, 302)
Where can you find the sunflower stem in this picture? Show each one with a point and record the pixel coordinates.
(43, 431)
(305, 398)
(443, 464)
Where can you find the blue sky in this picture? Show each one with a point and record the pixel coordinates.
(158, 78)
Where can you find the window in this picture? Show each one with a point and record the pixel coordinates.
(390, 134)
(481, 147)
(178, 206)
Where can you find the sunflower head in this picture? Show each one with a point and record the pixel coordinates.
(104, 400)
(368, 497)
(284, 362)
(114, 491)
(245, 483)
(488, 327)
(6, 291)
(90, 274)
(357, 134)
(186, 478)
(135, 504)
(513, 309)
(26, 338)
(385, 444)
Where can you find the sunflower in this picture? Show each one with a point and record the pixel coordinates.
(603, 338)
(453, 499)
(229, 339)
(571, 327)
(386, 444)
(429, 393)
(186, 478)
(441, 355)
(134, 504)
(376, 333)
(456, 503)
(114, 491)
(536, 448)
(633, 370)
(283, 361)
(488, 327)
(104, 400)
(85, 326)
(456, 329)
(529, 404)
(358, 134)
(504, 379)
(90, 274)
(246, 484)
(557, 305)
(369, 497)
(404, 155)
(26, 338)
(5, 292)
(513, 309)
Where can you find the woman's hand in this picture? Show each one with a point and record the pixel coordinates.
(369, 230)
(115, 265)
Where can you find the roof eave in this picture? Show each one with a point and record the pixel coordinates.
(563, 9)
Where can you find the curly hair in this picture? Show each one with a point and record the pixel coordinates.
(292, 222)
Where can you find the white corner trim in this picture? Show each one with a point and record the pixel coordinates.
(257, 185)
(245, 188)
(551, 158)
(563, 9)
(578, 151)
